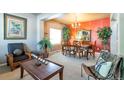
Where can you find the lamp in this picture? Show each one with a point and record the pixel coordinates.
(76, 24)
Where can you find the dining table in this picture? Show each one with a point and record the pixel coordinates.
(83, 47)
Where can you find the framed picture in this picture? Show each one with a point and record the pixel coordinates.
(84, 35)
(15, 27)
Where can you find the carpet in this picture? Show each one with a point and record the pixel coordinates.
(72, 68)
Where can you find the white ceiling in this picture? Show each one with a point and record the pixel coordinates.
(69, 18)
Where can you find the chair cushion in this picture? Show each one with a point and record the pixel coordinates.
(17, 52)
(20, 58)
(104, 68)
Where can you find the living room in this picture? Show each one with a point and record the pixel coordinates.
(38, 26)
(84, 61)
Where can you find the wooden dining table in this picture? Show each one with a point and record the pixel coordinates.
(84, 47)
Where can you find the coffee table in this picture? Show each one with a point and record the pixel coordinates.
(42, 72)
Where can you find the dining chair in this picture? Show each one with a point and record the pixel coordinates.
(83, 49)
(65, 47)
(77, 45)
(92, 49)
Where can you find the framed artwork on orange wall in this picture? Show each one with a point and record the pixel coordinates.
(84, 35)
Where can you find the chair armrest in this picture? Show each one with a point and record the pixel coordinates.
(92, 66)
(10, 59)
(89, 70)
(29, 54)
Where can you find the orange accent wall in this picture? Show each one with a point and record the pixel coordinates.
(93, 26)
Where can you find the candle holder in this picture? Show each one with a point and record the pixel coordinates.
(39, 60)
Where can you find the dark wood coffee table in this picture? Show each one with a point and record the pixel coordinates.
(42, 72)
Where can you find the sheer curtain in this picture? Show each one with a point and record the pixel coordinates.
(55, 36)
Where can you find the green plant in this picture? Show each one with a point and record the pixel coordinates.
(66, 33)
(104, 34)
(45, 43)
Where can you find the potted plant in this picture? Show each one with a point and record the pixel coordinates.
(45, 44)
(66, 33)
(104, 34)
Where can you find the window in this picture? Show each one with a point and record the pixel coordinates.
(55, 36)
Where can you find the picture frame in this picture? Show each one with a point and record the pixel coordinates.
(15, 27)
(84, 35)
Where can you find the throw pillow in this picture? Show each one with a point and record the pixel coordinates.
(99, 61)
(17, 52)
(104, 68)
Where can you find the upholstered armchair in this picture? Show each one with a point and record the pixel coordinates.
(16, 54)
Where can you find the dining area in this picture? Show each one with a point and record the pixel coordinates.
(78, 43)
(79, 49)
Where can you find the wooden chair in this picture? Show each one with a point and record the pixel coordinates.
(16, 54)
(65, 47)
(78, 45)
(92, 49)
(82, 49)
(114, 72)
(73, 50)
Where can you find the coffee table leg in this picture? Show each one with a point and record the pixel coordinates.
(22, 72)
(61, 75)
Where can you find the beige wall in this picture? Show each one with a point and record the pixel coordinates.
(52, 24)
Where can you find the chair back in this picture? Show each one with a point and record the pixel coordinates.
(77, 43)
(94, 46)
(13, 46)
(65, 43)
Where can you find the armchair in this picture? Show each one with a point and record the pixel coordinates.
(16, 54)
(103, 70)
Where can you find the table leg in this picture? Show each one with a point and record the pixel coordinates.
(61, 75)
(87, 53)
(22, 72)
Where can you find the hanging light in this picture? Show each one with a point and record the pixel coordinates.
(76, 24)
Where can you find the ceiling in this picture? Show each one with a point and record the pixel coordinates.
(69, 18)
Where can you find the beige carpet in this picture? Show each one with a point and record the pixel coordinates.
(72, 68)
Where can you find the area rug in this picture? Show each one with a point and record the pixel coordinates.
(72, 68)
